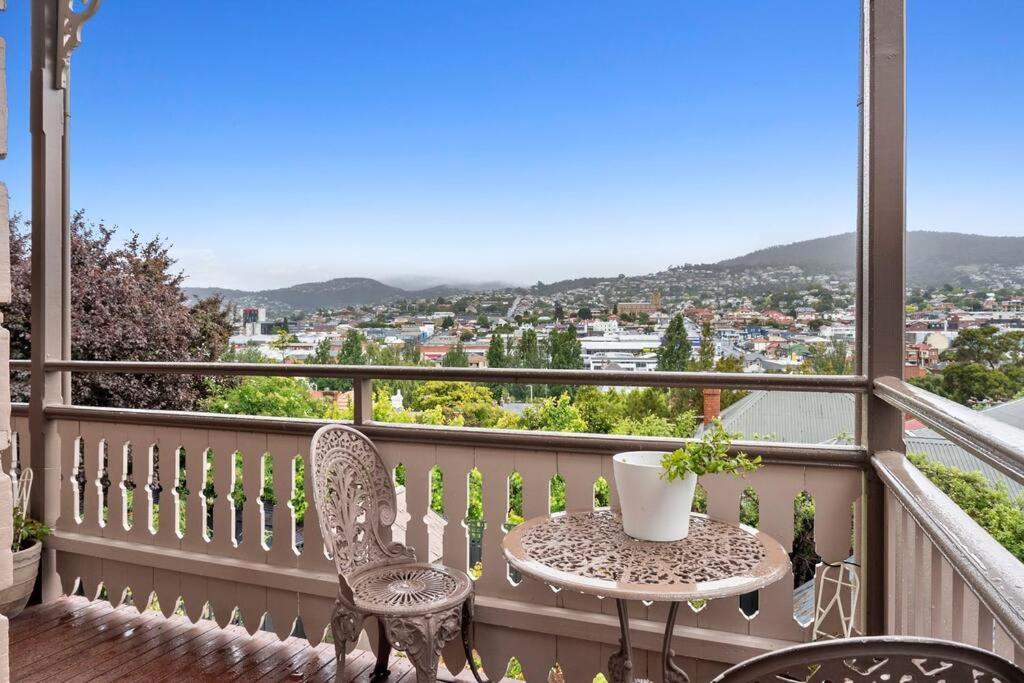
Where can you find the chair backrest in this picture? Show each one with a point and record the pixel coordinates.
(878, 658)
(355, 500)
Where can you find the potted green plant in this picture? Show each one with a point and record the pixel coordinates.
(656, 488)
(27, 548)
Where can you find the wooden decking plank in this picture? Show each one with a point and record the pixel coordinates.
(126, 666)
(140, 629)
(211, 668)
(309, 661)
(357, 663)
(285, 668)
(76, 638)
(153, 634)
(181, 665)
(287, 649)
(180, 650)
(243, 666)
(59, 616)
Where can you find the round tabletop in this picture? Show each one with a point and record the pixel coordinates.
(590, 553)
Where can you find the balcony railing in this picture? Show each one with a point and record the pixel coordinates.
(945, 575)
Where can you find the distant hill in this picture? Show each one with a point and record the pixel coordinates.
(933, 258)
(332, 294)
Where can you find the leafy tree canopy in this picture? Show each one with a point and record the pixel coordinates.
(127, 304)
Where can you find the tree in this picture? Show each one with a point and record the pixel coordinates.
(528, 353)
(283, 340)
(277, 396)
(990, 506)
(559, 311)
(585, 313)
(828, 359)
(456, 357)
(482, 321)
(127, 305)
(706, 359)
(352, 349)
(986, 346)
(566, 350)
(675, 350)
(472, 403)
(497, 356)
(554, 415)
(447, 323)
(322, 356)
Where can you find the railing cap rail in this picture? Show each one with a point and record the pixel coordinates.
(719, 380)
(996, 443)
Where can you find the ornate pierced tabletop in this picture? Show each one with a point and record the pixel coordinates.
(589, 552)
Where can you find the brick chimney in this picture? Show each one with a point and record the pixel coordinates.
(712, 404)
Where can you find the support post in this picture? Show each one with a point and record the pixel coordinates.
(47, 128)
(881, 241)
(362, 401)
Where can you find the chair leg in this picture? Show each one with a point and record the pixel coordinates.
(345, 627)
(381, 671)
(467, 639)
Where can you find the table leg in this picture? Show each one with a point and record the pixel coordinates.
(670, 671)
(620, 664)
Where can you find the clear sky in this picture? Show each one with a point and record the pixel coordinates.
(282, 142)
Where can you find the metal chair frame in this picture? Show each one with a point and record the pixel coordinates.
(419, 607)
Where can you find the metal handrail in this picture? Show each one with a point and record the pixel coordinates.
(718, 380)
(994, 442)
(990, 570)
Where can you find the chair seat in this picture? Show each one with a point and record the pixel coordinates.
(413, 588)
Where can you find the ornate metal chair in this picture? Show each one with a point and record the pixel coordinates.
(419, 606)
(878, 658)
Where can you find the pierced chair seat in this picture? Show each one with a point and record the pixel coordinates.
(414, 588)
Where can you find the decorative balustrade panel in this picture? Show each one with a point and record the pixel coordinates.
(213, 522)
(930, 598)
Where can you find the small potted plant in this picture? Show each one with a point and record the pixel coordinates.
(27, 548)
(656, 488)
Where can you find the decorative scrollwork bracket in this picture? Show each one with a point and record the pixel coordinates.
(69, 33)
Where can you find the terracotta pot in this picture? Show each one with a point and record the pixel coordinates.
(26, 567)
(653, 509)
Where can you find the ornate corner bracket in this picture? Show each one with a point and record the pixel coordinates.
(69, 33)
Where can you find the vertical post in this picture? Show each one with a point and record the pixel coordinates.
(362, 401)
(881, 266)
(47, 127)
(6, 493)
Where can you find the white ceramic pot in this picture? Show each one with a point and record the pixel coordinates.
(653, 509)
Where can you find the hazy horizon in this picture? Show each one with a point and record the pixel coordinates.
(454, 142)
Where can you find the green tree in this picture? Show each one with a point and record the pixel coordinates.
(675, 350)
(706, 359)
(566, 350)
(456, 357)
(585, 313)
(277, 396)
(528, 354)
(985, 346)
(556, 414)
(601, 410)
(990, 506)
(497, 356)
(472, 403)
(322, 356)
(828, 359)
(447, 323)
(352, 349)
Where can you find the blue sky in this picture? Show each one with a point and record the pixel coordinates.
(281, 142)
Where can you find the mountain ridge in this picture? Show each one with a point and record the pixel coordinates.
(933, 258)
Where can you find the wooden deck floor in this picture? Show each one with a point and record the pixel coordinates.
(77, 640)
